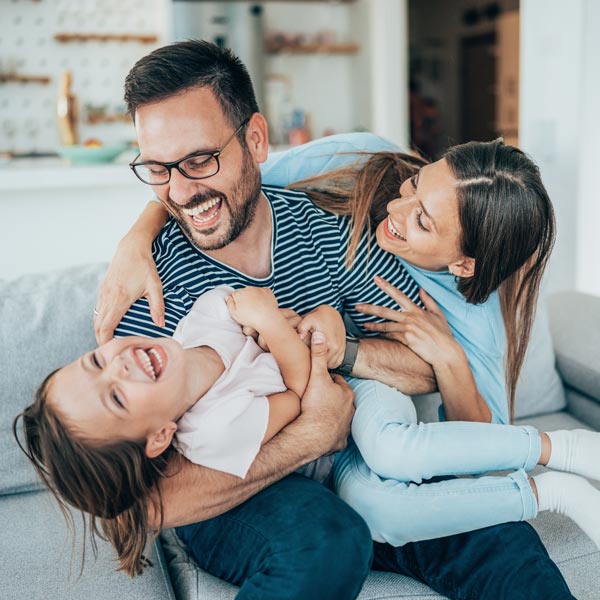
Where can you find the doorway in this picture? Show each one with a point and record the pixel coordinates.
(478, 87)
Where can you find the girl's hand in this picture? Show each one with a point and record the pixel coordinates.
(131, 275)
(425, 332)
(328, 320)
(291, 316)
(253, 307)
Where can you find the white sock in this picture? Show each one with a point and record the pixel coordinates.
(573, 496)
(576, 451)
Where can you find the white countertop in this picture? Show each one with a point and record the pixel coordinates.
(55, 173)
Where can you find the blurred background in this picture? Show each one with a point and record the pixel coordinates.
(426, 74)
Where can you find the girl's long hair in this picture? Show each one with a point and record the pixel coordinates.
(507, 224)
(114, 484)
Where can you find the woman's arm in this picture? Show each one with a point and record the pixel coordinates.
(131, 275)
(427, 334)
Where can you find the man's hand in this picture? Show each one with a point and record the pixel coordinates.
(328, 320)
(327, 403)
(131, 275)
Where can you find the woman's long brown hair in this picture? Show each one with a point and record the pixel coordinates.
(113, 485)
(506, 217)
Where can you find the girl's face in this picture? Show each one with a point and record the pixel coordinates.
(127, 388)
(423, 226)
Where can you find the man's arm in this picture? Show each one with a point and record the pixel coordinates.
(195, 493)
(394, 364)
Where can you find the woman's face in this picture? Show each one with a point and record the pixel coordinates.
(125, 389)
(423, 227)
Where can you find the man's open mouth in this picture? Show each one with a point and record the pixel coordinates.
(150, 361)
(205, 214)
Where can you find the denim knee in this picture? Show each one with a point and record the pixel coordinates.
(324, 553)
(341, 543)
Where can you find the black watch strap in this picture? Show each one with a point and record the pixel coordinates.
(349, 355)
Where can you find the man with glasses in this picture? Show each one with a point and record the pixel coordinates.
(277, 534)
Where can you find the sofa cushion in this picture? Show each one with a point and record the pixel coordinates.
(539, 389)
(45, 322)
(41, 561)
(576, 333)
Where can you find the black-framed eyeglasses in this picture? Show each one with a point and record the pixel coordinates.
(197, 165)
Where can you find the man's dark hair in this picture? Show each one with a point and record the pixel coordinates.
(180, 66)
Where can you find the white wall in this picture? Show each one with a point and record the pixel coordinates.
(587, 249)
(388, 23)
(559, 127)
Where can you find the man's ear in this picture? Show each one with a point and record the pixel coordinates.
(463, 268)
(257, 137)
(159, 441)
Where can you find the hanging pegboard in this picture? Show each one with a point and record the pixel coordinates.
(122, 31)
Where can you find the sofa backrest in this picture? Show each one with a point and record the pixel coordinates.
(45, 323)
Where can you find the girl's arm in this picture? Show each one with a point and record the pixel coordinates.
(257, 308)
(131, 275)
(283, 409)
(427, 334)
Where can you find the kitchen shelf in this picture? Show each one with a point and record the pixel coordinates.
(10, 77)
(313, 49)
(106, 37)
(114, 118)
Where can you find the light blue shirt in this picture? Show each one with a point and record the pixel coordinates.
(478, 328)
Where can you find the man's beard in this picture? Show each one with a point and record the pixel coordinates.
(241, 205)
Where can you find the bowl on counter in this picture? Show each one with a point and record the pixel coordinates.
(86, 155)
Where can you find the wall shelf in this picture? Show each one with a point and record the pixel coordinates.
(106, 37)
(94, 119)
(312, 49)
(10, 77)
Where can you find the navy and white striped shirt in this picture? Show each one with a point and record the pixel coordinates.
(308, 268)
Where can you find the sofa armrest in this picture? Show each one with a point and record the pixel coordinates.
(575, 327)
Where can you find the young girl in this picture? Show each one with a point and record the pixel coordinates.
(101, 429)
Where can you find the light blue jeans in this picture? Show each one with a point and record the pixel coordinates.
(381, 472)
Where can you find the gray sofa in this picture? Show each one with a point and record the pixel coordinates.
(45, 321)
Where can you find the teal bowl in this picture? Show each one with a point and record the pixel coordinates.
(86, 155)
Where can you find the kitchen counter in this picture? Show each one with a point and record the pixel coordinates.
(54, 215)
(52, 173)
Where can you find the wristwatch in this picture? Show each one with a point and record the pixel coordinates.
(349, 355)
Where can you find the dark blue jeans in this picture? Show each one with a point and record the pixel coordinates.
(297, 540)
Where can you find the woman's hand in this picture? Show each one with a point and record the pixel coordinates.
(131, 275)
(425, 332)
(328, 320)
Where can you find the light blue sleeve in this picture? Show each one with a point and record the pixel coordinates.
(320, 156)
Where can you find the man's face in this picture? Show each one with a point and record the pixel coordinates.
(214, 211)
